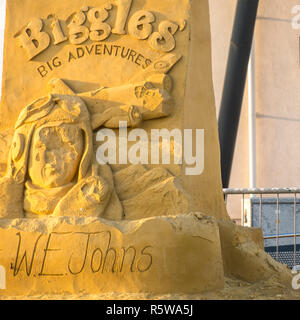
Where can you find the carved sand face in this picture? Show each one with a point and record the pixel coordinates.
(55, 155)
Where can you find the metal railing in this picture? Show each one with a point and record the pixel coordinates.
(280, 207)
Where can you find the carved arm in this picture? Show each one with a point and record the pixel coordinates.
(111, 117)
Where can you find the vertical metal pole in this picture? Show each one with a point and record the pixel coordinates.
(295, 229)
(260, 210)
(234, 84)
(251, 119)
(277, 227)
(243, 213)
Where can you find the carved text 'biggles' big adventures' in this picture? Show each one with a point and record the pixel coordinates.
(91, 23)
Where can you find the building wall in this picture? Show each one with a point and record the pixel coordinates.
(277, 94)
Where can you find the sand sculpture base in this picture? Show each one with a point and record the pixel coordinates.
(178, 254)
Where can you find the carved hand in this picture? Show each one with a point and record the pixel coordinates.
(90, 196)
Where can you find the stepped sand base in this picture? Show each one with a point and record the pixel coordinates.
(234, 289)
(188, 256)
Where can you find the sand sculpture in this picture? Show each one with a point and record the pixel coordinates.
(71, 223)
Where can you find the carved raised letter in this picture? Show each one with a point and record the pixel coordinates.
(122, 15)
(32, 39)
(57, 32)
(164, 39)
(140, 25)
(99, 29)
(78, 32)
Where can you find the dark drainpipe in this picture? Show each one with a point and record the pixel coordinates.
(234, 84)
